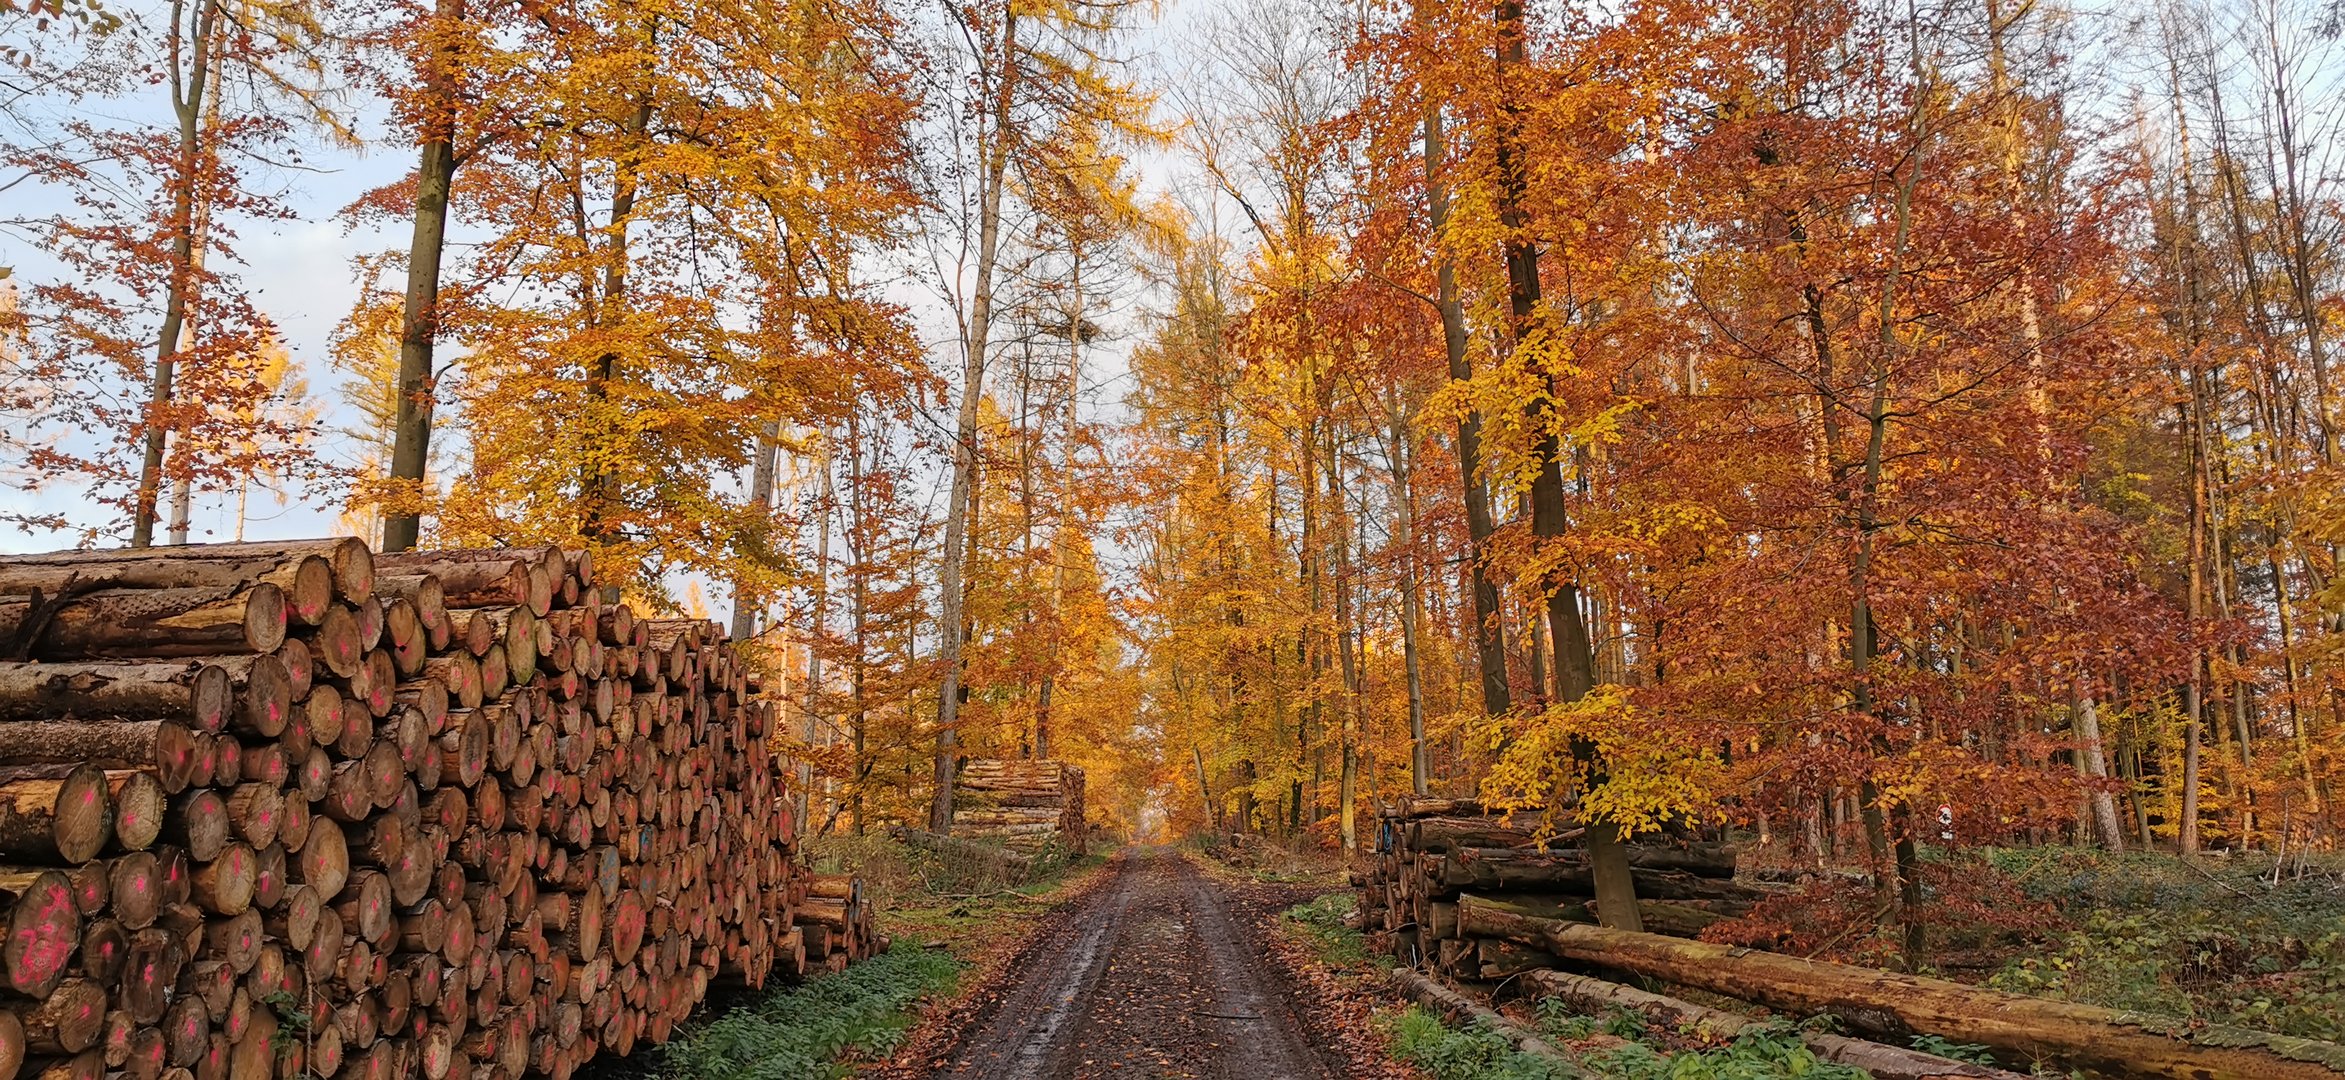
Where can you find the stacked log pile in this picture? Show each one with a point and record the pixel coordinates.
(1475, 898)
(1432, 854)
(295, 809)
(1026, 805)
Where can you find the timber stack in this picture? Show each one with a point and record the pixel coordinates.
(296, 809)
(1479, 898)
(1433, 854)
(1026, 805)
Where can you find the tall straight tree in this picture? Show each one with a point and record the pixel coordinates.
(1044, 93)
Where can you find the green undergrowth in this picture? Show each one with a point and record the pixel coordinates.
(814, 1031)
(1614, 1046)
(2212, 940)
(1468, 1053)
(1320, 924)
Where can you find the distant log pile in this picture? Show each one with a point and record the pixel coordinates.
(1473, 897)
(1025, 805)
(295, 809)
(1434, 854)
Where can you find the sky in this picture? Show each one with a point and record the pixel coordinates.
(303, 275)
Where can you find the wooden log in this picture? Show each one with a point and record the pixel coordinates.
(44, 928)
(69, 1020)
(167, 747)
(198, 823)
(140, 806)
(1486, 869)
(305, 570)
(2068, 1034)
(423, 591)
(1596, 997)
(69, 818)
(481, 577)
(197, 693)
(11, 1044)
(134, 889)
(146, 623)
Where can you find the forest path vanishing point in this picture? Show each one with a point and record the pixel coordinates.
(1148, 975)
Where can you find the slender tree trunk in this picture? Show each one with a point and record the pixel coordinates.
(1865, 520)
(817, 628)
(858, 581)
(602, 484)
(435, 173)
(1489, 627)
(1412, 594)
(1575, 660)
(2096, 767)
(191, 48)
(1348, 662)
(958, 513)
(761, 496)
(2194, 694)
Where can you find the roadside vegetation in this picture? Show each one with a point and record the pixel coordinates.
(821, 1029)
(950, 922)
(2239, 941)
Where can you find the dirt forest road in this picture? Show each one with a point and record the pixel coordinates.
(1149, 976)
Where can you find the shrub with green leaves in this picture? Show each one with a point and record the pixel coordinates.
(1768, 1053)
(1471, 1053)
(801, 1033)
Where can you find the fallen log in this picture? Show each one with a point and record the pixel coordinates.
(2018, 1028)
(1595, 996)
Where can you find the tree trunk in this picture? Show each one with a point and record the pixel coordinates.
(761, 497)
(411, 425)
(189, 86)
(1412, 595)
(2096, 768)
(145, 623)
(958, 511)
(1489, 629)
(1575, 660)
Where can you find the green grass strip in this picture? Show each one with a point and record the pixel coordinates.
(801, 1033)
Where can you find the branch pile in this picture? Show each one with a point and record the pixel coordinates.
(295, 809)
(1024, 804)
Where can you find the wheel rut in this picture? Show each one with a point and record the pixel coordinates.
(1148, 977)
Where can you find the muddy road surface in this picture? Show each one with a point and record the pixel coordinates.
(1149, 977)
